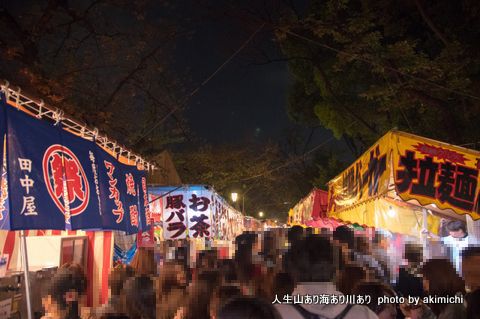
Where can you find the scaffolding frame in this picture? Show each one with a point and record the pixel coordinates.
(39, 110)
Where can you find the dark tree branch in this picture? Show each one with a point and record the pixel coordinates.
(430, 23)
(331, 91)
(30, 50)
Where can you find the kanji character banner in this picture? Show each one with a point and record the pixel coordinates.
(187, 213)
(365, 179)
(432, 172)
(56, 180)
(402, 174)
(196, 211)
(156, 204)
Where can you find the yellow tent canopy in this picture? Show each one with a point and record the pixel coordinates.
(404, 177)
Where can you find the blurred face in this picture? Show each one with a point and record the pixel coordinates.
(457, 233)
(257, 247)
(426, 284)
(50, 307)
(181, 276)
(385, 243)
(390, 312)
(471, 272)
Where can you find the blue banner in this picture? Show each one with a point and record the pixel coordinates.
(122, 199)
(57, 180)
(124, 257)
(4, 218)
(35, 199)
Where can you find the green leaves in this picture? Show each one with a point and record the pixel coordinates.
(375, 65)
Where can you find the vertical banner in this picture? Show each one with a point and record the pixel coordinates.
(3, 163)
(124, 200)
(175, 216)
(187, 213)
(366, 179)
(146, 238)
(36, 180)
(156, 204)
(74, 162)
(57, 180)
(199, 214)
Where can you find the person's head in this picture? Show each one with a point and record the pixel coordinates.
(283, 284)
(63, 293)
(413, 253)
(441, 279)
(269, 244)
(140, 298)
(248, 307)
(345, 236)
(471, 267)
(380, 240)
(207, 259)
(377, 290)
(227, 271)
(349, 277)
(325, 231)
(244, 245)
(221, 296)
(295, 234)
(80, 277)
(117, 277)
(244, 255)
(473, 305)
(113, 316)
(181, 253)
(309, 231)
(314, 260)
(457, 229)
(362, 245)
(172, 276)
(200, 293)
(144, 262)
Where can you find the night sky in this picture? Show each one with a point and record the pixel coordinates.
(247, 99)
(242, 100)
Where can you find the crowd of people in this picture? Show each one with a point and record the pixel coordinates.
(280, 273)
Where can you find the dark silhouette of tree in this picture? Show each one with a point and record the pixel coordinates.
(104, 62)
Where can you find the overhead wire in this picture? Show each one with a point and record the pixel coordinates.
(355, 56)
(328, 47)
(295, 159)
(359, 58)
(204, 82)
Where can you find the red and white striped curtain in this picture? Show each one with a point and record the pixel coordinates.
(99, 257)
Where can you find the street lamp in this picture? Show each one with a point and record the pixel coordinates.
(260, 214)
(234, 197)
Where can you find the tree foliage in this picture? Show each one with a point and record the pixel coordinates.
(363, 67)
(103, 62)
(255, 174)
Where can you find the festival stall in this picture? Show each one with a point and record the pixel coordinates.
(311, 211)
(200, 215)
(252, 224)
(405, 183)
(196, 211)
(65, 187)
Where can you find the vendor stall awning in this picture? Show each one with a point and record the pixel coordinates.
(312, 207)
(412, 172)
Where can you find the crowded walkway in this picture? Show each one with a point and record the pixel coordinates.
(279, 273)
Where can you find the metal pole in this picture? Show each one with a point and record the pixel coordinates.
(426, 252)
(26, 273)
(243, 204)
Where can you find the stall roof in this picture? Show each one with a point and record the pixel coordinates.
(413, 171)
